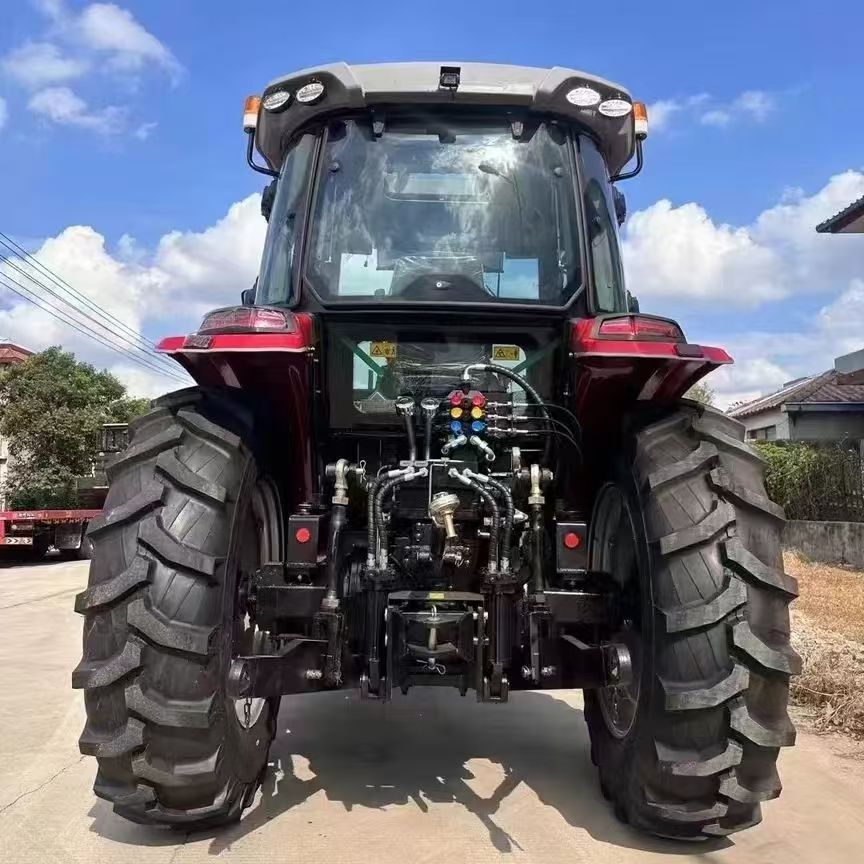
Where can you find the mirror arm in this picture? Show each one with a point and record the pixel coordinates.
(635, 171)
(259, 168)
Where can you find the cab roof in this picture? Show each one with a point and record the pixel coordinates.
(378, 85)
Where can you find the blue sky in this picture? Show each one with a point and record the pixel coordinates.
(757, 108)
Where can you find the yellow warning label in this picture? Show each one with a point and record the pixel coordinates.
(505, 352)
(383, 349)
(436, 595)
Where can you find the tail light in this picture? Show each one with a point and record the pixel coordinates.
(639, 328)
(248, 319)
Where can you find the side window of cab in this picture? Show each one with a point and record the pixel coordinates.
(285, 216)
(601, 224)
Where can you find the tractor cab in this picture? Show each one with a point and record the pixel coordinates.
(443, 186)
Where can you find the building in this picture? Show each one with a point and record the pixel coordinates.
(847, 221)
(819, 408)
(10, 355)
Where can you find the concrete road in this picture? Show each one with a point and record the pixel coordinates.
(429, 778)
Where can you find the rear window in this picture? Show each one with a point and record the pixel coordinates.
(452, 212)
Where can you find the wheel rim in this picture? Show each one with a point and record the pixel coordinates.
(614, 551)
(260, 541)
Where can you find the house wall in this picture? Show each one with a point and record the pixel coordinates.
(826, 425)
(773, 417)
(809, 425)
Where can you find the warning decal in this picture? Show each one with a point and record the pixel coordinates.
(505, 352)
(383, 349)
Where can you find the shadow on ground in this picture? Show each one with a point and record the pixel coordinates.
(415, 752)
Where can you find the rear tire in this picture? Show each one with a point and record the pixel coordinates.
(85, 551)
(161, 614)
(712, 659)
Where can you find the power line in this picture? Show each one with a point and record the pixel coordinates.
(63, 317)
(151, 355)
(23, 254)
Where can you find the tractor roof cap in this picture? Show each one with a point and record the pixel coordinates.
(602, 107)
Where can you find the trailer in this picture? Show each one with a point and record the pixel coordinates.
(36, 531)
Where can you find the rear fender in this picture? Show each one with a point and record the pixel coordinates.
(272, 370)
(610, 377)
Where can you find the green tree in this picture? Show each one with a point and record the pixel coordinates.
(126, 409)
(52, 408)
(701, 392)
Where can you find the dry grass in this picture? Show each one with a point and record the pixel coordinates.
(831, 597)
(828, 633)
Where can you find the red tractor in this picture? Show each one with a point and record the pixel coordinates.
(438, 444)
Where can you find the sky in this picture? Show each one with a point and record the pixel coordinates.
(123, 166)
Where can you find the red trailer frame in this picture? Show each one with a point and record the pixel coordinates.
(21, 529)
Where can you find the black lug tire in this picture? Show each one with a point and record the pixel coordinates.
(712, 712)
(159, 612)
(85, 551)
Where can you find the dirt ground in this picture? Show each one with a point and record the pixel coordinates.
(828, 633)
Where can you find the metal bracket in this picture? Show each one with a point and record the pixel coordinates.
(296, 670)
(594, 666)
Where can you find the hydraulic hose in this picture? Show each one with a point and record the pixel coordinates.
(405, 407)
(380, 495)
(537, 547)
(338, 518)
(370, 513)
(487, 496)
(508, 520)
(509, 510)
(518, 379)
(412, 438)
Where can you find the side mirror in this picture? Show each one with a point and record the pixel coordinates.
(632, 303)
(267, 198)
(247, 296)
(620, 205)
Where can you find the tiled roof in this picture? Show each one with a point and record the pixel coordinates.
(819, 388)
(12, 353)
(842, 221)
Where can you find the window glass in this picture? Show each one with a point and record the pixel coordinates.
(274, 283)
(602, 227)
(449, 211)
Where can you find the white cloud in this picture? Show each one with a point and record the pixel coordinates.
(680, 252)
(765, 361)
(51, 9)
(679, 255)
(165, 288)
(101, 43)
(716, 117)
(62, 106)
(37, 64)
(108, 28)
(661, 112)
(749, 106)
(214, 264)
(753, 105)
(759, 104)
(144, 130)
(4, 112)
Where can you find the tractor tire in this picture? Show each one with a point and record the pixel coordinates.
(85, 551)
(171, 553)
(689, 749)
